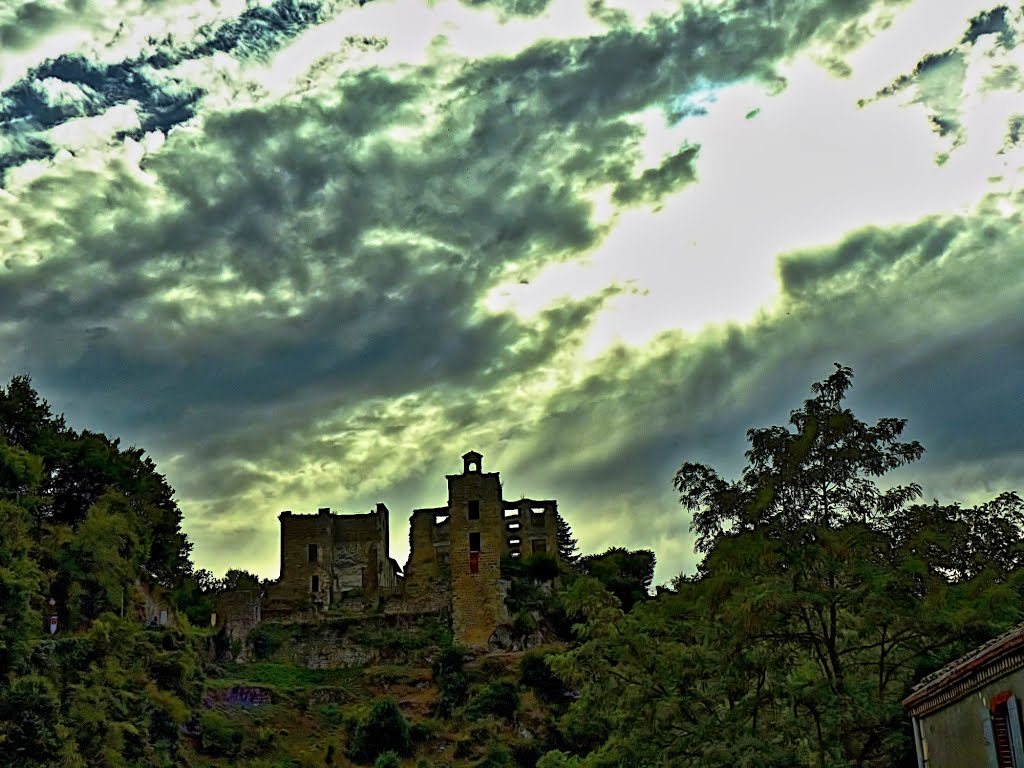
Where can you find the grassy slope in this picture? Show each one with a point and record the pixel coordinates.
(307, 721)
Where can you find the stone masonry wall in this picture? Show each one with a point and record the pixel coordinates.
(530, 526)
(428, 541)
(238, 613)
(475, 602)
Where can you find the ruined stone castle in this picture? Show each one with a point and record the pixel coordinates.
(341, 563)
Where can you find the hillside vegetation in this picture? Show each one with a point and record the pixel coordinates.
(822, 595)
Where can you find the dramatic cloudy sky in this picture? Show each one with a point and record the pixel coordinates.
(309, 253)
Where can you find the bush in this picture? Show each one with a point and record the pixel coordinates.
(497, 757)
(29, 715)
(450, 677)
(265, 643)
(558, 759)
(536, 675)
(541, 567)
(384, 728)
(423, 730)
(219, 737)
(330, 715)
(499, 699)
(386, 760)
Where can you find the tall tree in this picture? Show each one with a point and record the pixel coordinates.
(820, 600)
(80, 467)
(627, 574)
(568, 547)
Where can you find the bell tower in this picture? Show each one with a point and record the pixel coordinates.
(475, 509)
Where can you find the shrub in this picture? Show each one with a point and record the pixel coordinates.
(29, 715)
(450, 677)
(422, 730)
(330, 715)
(384, 728)
(219, 737)
(386, 760)
(541, 567)
(536, 675)
(499, 699)
(265, 643)
(558, 759)
(497, 757)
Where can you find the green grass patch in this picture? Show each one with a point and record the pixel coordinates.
(283, 677)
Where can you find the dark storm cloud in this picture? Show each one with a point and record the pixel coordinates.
(937, 80)
(809, 273)
(27, 107)
(513, 7)
(22, 24)
(991, 22)
(927, 315)
(257, 32)
(654, 183)
(290, 282)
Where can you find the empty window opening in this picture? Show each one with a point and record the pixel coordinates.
(314, 584)
(515, 554)
(474, 509)
(514, 542)
(474, 542)
(538, 510)
(472, 466)
(511, 513)
(312, 551)
(539, 547)
(513, 526)
(440, 519)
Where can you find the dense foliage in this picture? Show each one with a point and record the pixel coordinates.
(823, 595)
(821, 599)
(87, 529)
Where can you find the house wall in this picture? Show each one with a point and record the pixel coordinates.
(955, 734)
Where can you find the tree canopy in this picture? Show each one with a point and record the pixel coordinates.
(84, 526)
(823, 595)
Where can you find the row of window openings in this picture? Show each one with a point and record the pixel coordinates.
(473, 506)
(538, 546)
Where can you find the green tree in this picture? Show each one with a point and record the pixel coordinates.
(820, 600)
(20, 575)
(31, 733)
(79, 468)
(568, 547)
(626, 574)
(82, 522)
(383, 729)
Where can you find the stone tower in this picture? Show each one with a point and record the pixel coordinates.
(476, 539)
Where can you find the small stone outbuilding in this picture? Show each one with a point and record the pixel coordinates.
(969, 712)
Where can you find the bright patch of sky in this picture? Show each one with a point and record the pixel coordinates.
(780, 172)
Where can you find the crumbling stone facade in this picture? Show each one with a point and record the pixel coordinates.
(342, 562)
(326, 558)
